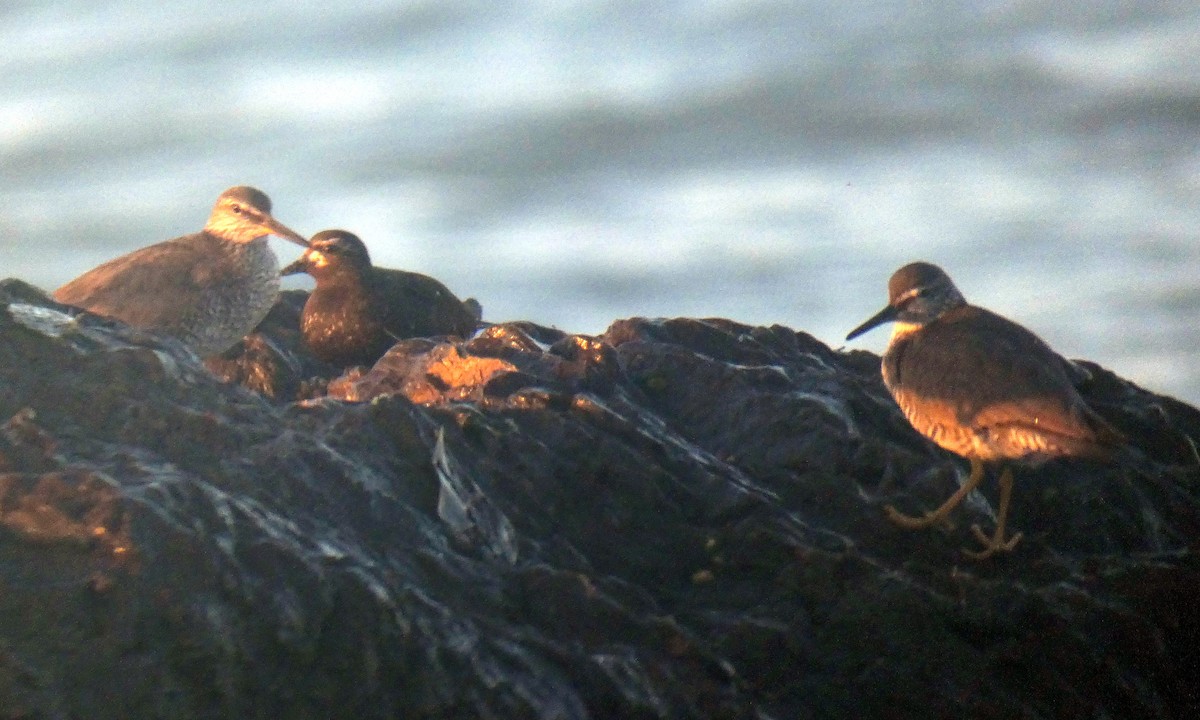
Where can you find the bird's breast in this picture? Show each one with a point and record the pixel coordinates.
(240, 288)
(340, 325)
(938, 421)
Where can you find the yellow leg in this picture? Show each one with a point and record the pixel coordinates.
(914, 523)
(996, 542)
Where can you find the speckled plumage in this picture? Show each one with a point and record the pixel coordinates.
(358, 311)
(980, 385)
(209, 289)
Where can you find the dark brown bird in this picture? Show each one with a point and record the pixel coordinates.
(981, 386)
(208, 289)
(358, 311)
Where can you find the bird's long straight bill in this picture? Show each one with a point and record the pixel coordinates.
(885, 315)
(280, 230)
(297, 267)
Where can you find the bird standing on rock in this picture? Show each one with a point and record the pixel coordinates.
(358, 311)
(980, 386)
(208, 289)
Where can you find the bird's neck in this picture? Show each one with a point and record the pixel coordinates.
(901, 330)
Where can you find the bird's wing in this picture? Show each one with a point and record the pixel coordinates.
(420, 306)
(145, 288)
(1004, 376)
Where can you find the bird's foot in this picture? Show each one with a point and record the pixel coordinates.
(912, 522)
(992, 545)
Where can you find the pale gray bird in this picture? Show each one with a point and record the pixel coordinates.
(208, 289)
(980, 386)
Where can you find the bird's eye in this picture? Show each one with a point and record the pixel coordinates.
(237, 209)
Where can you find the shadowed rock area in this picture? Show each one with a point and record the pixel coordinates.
(676, 519)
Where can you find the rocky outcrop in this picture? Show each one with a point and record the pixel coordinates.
(676, 519)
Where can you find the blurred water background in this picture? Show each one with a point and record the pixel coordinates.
(577, 161)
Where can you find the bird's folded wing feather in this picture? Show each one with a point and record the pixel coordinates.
(420, 305)
(1004, 375)
(145, 288)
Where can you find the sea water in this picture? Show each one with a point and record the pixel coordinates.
(575, 162)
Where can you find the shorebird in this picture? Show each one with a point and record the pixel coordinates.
(208, 289)
(357, 311)
(981, 386)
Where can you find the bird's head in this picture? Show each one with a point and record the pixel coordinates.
(918, 293)
(331, 252)
(243, 214)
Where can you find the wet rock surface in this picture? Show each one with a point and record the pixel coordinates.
(676, 519)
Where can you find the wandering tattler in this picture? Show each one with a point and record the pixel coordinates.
(208, 289)
(358, 311)
(981, 386)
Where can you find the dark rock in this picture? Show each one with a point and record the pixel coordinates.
(675, 519)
